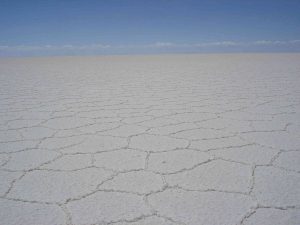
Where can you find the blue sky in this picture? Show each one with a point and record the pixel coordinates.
(76, 27)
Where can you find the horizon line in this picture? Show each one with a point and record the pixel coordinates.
(150, 54)
(156, 48)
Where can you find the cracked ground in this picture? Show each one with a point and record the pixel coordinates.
(150, 140)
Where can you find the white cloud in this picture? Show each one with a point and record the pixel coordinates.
(53, 47)
(163, 44)
(94, 48)
(219, 43)
(68, 46)
(85, 47)
(268, 42)
(295, 42)
(3, 47)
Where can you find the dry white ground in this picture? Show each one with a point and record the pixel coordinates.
(152, 140)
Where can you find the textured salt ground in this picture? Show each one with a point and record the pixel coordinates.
(150, 140)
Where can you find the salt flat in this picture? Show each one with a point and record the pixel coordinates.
(150, 140)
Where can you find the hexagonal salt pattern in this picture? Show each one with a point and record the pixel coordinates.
(152, 140)
(192, 207)
(269, 216)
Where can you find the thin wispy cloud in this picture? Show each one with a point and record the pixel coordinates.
(228, 43)
(53, 47)
(268, 42)
(106, 48)
(163, 44)
(84, 47)
(220, 43)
